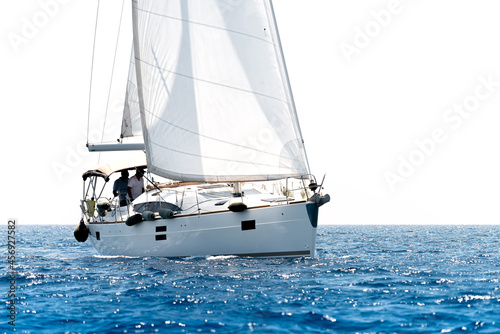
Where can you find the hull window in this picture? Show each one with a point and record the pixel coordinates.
(161, 237)
(248, 225)
(161, 229)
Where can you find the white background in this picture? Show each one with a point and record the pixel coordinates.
(360, 113)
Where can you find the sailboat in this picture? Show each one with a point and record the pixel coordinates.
(209, 96)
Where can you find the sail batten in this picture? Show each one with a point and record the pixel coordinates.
(214, 97)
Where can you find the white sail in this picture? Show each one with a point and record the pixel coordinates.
(131, 122)
(214, 94)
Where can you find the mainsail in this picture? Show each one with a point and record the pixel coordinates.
(131, 122)
(213, 91)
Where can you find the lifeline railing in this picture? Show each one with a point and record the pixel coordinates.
(313, 186)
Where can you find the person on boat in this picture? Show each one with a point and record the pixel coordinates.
(120, 187)
(136, 184)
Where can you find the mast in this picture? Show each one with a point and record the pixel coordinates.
(137, 52)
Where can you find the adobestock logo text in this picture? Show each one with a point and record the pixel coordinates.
(33, 24)
(366, 33)
(453, 117)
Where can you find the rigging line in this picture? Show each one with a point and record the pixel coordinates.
(112, 76)
(92, 69)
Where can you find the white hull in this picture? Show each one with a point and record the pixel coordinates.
(280, 231)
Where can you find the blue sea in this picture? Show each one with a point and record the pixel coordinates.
(364, 279)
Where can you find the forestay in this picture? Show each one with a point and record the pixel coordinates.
(213, 90)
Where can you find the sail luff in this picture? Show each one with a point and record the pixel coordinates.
(137, 53)
(287, 78)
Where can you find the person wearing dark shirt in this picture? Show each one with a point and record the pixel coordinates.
(120, 188)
